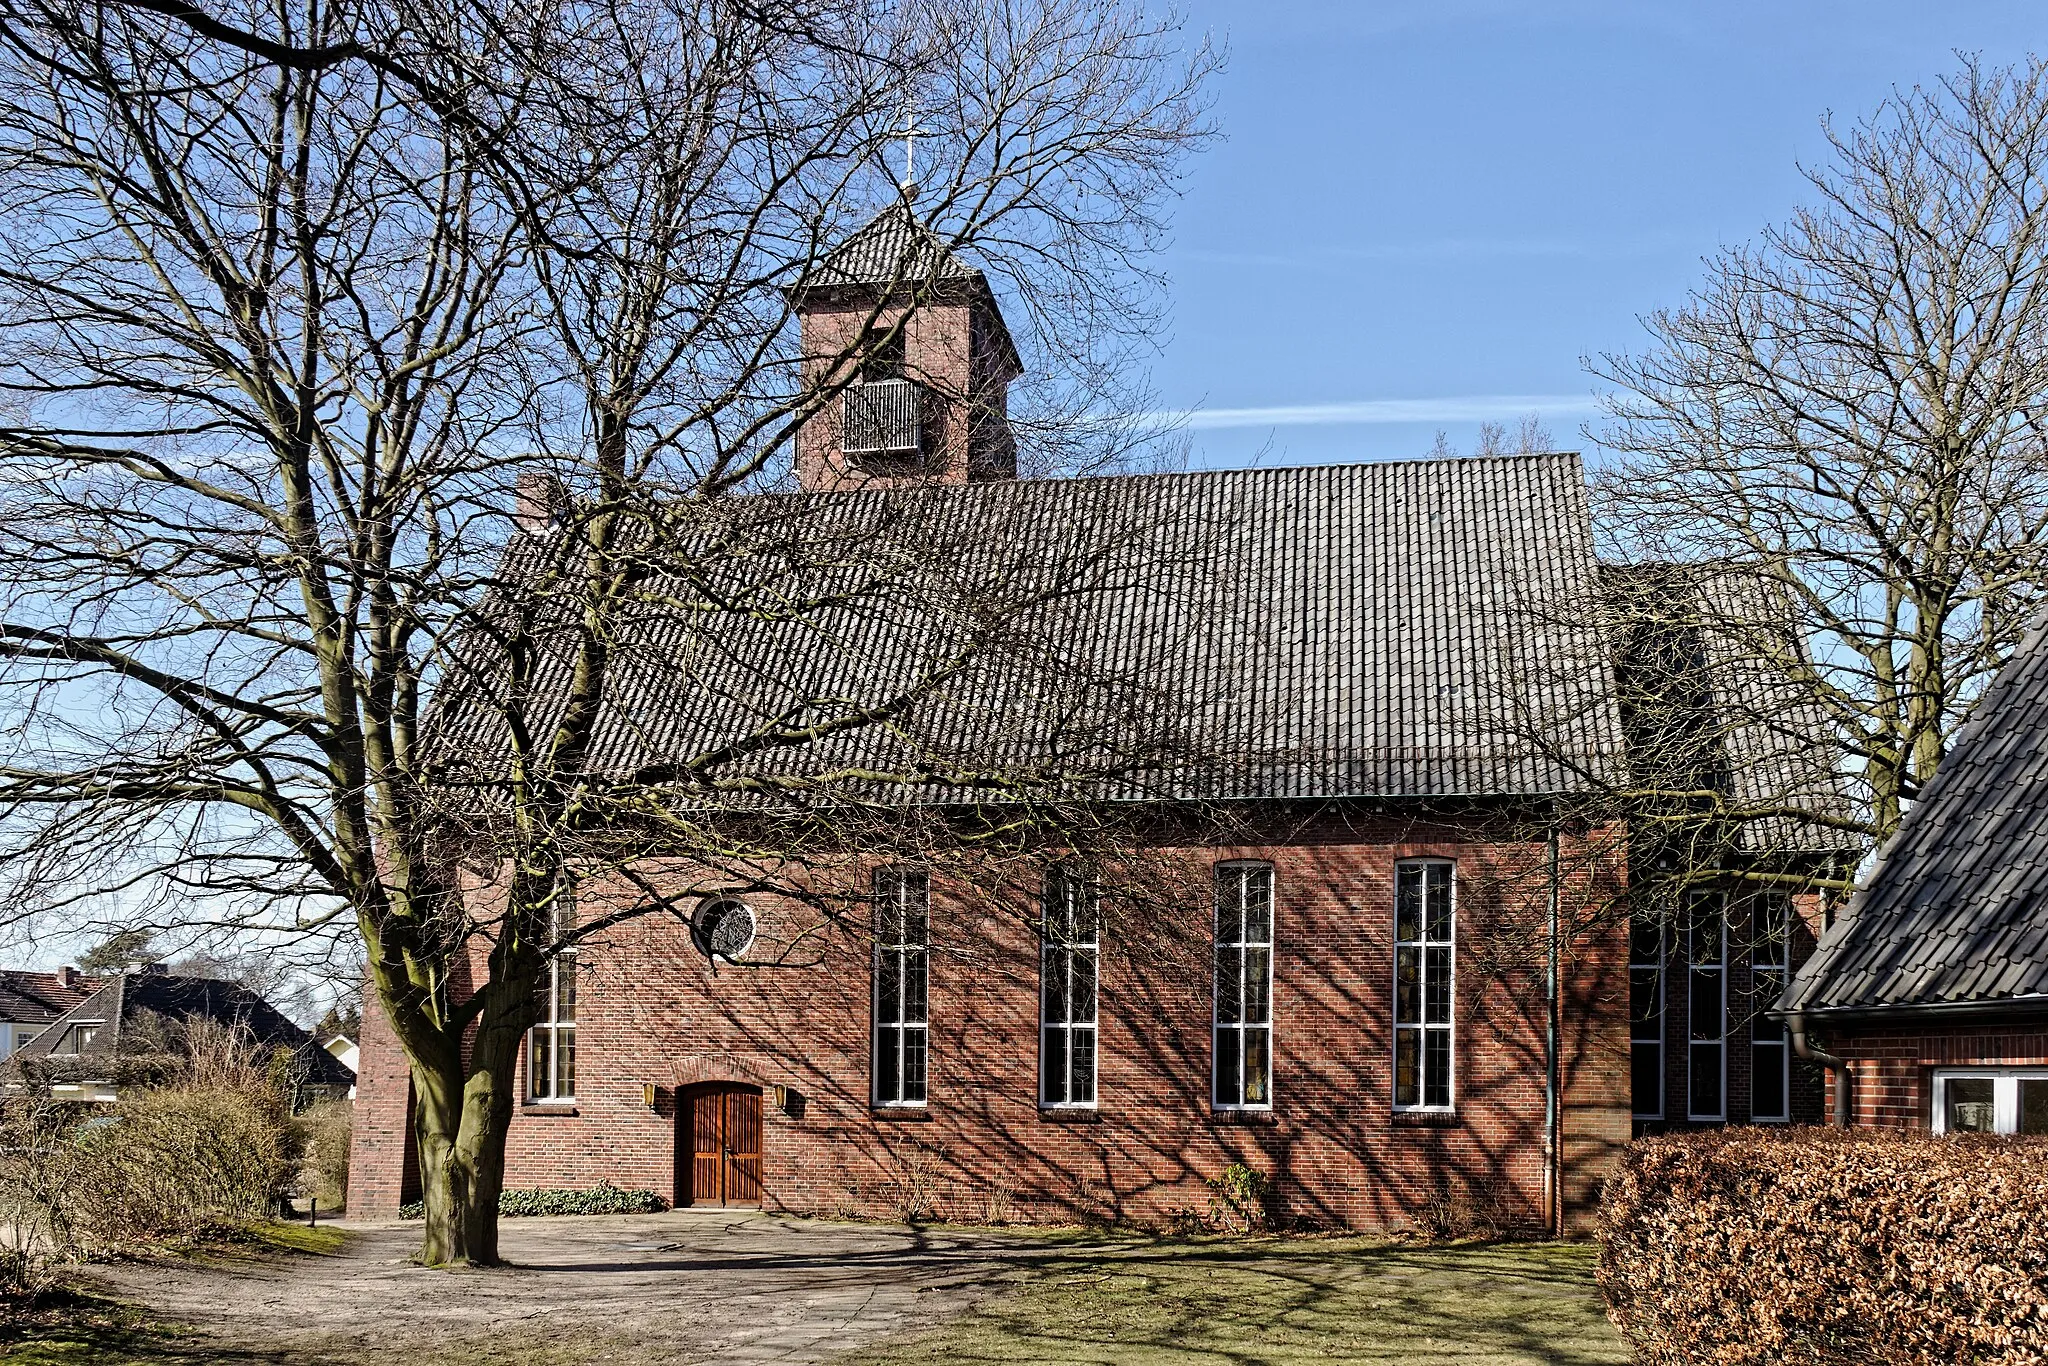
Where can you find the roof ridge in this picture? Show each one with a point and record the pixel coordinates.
(1403, 463)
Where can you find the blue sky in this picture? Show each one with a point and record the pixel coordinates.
(1425, 213)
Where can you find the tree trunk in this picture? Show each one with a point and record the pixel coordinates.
(462, 1124)
(444, 1183)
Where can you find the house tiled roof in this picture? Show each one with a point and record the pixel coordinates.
(132, 1008)
(1410, 629)
(39, 997)
(1955, 913)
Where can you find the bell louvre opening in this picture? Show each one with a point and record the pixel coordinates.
(883, 418)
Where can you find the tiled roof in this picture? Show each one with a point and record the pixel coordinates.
(123, 1005)
(894, 249)
(1750, 733)
(1955, 913)
(38, 997)
(1412, 629)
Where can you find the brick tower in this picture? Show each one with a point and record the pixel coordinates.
(914, 336)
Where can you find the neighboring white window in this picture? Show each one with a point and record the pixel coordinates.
(1770, 1049)
(1646, 954)
(1706, 989)
(1425, 966)
(1069, 967)
(1991, 1100)
(902, 975)
(551, 1046)
(23, 1037)
(77, 1039)
(1242, 1061)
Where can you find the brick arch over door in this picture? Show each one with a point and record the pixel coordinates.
(693, 1071)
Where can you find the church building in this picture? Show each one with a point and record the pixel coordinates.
(1386, 962)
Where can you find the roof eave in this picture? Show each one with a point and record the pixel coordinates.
(1996, 1010)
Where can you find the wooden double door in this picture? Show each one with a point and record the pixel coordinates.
(718, 1145)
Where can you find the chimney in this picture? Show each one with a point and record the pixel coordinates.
(539, 502)
(67, 977)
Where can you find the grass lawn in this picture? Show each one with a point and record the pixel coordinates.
(1283, 1301)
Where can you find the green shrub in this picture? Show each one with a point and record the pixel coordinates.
(603, 1198)
(1237, 1199)
(1814, 1247)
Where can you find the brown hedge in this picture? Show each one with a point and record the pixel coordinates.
(1820, 1247)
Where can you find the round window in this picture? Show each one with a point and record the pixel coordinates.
(724, 929)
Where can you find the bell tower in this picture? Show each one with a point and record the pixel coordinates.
(906, 348)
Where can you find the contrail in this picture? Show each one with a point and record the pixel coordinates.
(1367, 412)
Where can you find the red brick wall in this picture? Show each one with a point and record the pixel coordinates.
(383, 1167)
(653, 1011)
(1892, 1070)
(944, 351)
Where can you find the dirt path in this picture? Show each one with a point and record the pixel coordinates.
(688, 1286)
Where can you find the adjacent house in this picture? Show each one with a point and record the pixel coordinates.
(344, 1050)
(136, 1026)
(1929, 995)
(1386, 958)
(29, 1001)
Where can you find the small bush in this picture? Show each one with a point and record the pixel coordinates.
(1460, 1210)
(208, 1148)
(914, 1197)
(603, 1198)
(1237, 1199)
(999, 1201)
(1816, 1247)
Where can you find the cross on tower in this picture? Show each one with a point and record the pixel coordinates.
(910, 132)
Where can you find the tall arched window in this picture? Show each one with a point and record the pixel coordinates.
(1243, 1030)
(1425, 968)
(1069, 965)
(551, 1044)
(902, 973)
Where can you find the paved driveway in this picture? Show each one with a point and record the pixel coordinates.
(686, 1286)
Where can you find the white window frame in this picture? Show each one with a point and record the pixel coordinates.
(1059, 954)
(85, 1031)
(895, 886)
(2005, 1093)
(1657, 966)
(544, 1085)
(1424, 1027)
(1767, 977)
(1241, 870)
(1719, 967)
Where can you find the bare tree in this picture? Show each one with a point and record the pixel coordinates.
(286, 313)
(1530, 437)
(1852, 411)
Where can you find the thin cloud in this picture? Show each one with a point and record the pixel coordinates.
(1386, 411)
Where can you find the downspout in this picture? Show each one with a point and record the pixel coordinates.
(1553, 1108)
(1795, 1025)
